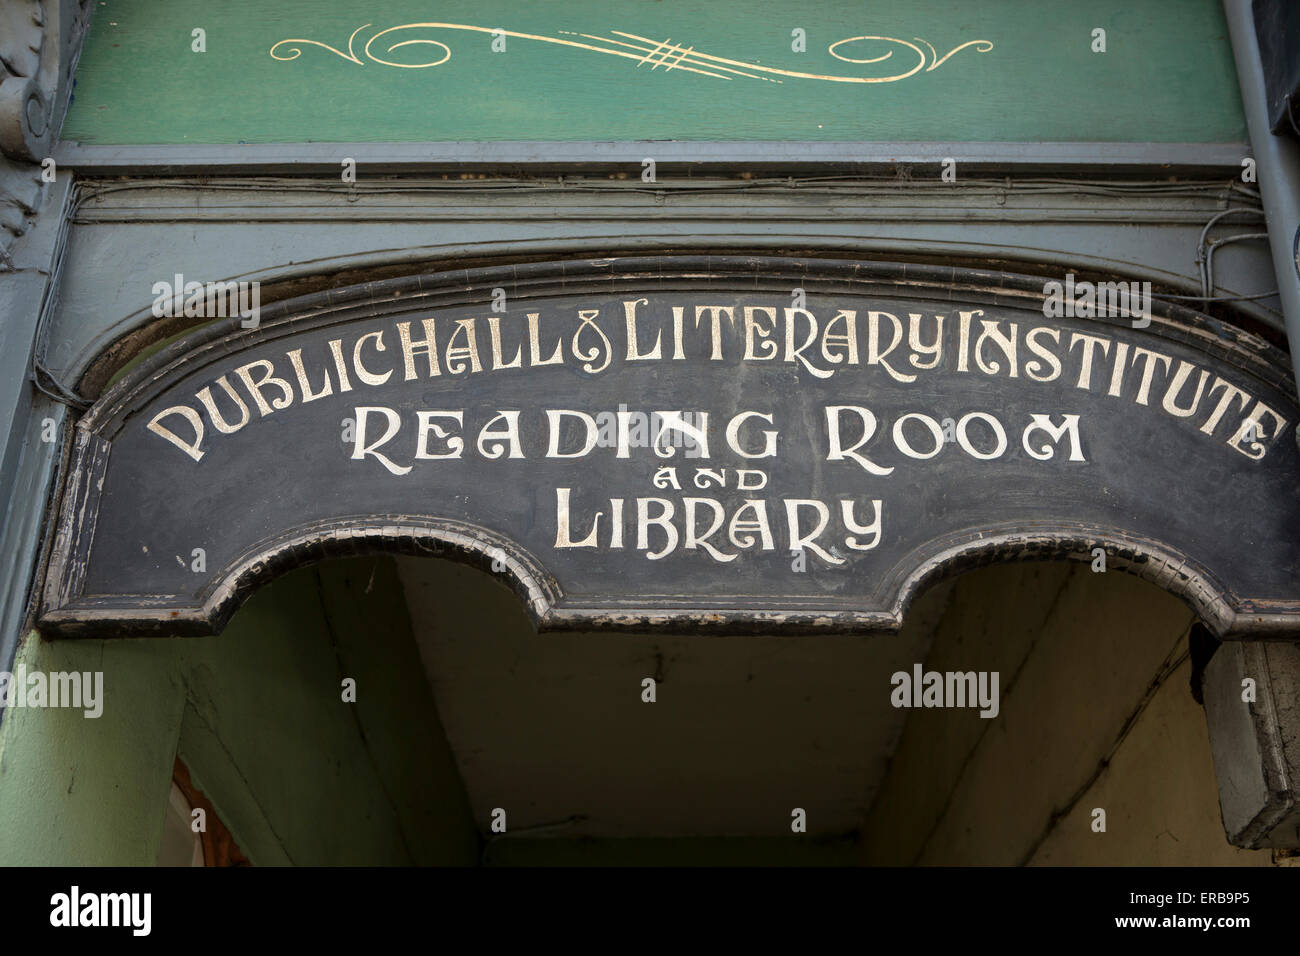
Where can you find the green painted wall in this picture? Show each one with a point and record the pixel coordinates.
(298, 775)
(1167, 74)
(75, 791)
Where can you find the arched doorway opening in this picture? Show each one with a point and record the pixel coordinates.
(402, 710)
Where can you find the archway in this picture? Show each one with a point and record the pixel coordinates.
(689, 445)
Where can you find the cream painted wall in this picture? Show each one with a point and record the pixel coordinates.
(1096, 712)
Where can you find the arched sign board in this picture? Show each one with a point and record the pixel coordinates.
(742, 444)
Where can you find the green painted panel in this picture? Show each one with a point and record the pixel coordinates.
(578, 70)
(299, 775)
(256, 713)
(79, 791)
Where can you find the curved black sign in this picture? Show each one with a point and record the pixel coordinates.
(748, 443)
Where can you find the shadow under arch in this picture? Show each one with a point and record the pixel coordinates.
(351, 536)
(1152, 561)
(545, 604)
(1096, 705)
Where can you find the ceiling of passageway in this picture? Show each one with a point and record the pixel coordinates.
(552, 727)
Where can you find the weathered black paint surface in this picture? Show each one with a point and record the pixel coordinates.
(1164, 498)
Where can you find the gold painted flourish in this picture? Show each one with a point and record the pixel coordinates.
(665, 53)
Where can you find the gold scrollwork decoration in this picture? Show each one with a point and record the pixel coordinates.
(656, 53)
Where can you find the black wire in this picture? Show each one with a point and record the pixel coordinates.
(63, 394)
(78, 404)
(1217, 298)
